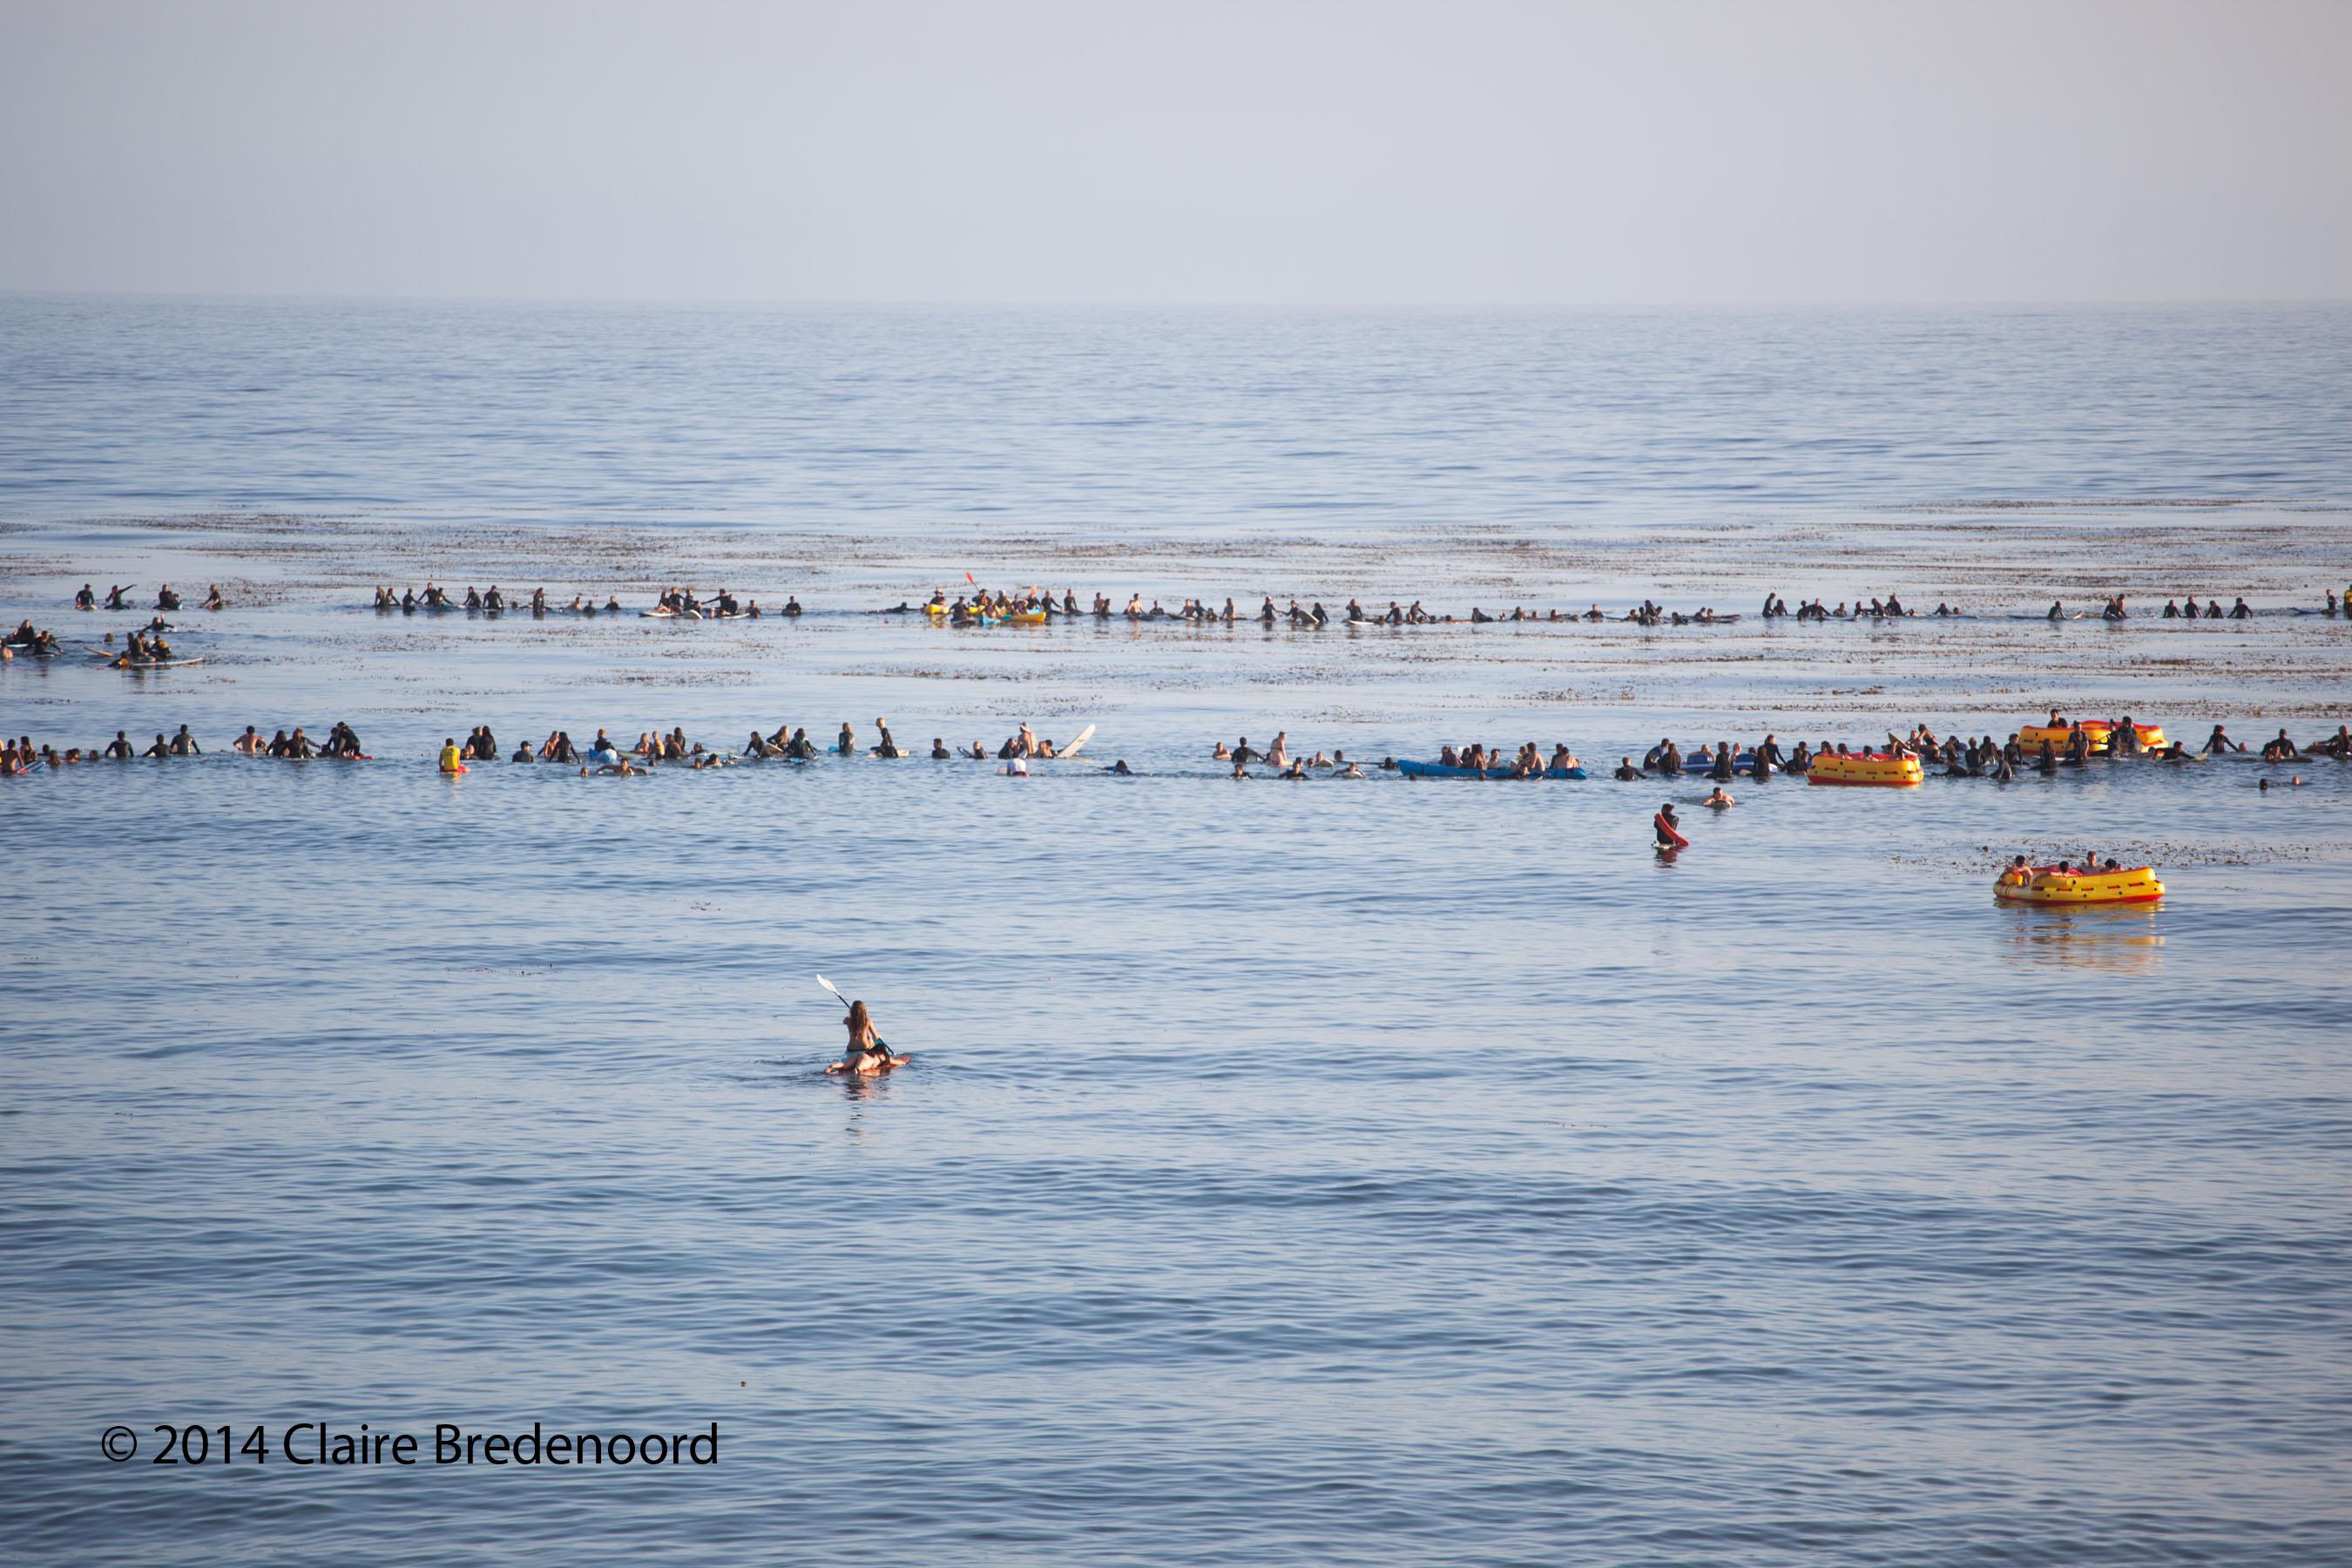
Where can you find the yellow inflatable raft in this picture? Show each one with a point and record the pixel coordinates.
(2151, 736)
(2049, 884)
(1027, 619)
(1863, 768)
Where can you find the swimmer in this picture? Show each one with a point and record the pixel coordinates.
(1120, 767)
(1626, 771)
(1018, 768)
(1719, 801)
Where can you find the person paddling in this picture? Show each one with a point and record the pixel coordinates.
(865, 1055)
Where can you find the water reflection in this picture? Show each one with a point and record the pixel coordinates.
(2119, 938)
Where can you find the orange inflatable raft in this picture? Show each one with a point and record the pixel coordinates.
(2049, 884)
(1863, 768)
(2151, 736)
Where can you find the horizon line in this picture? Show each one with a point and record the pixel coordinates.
(801, 302)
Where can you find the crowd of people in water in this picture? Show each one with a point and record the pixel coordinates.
(679, 602)
(983, 607)
(2084, 744)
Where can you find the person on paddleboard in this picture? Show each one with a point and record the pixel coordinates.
(865, 1054)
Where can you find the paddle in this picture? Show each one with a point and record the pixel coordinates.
(837, 996)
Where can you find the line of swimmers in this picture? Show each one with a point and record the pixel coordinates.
(167, 598)
(673, 601)
(984, 604)
(1277, 756)
(604, 755)
(147, 645)
(21, 755)
(1981, 757)
(2114, 610)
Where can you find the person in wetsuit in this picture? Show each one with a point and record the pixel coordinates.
(1668, 828)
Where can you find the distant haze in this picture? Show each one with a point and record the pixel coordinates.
(1038, 150)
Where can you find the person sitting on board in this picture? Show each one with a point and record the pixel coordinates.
(865, 1054)
(2281, 750)
(1668, 828)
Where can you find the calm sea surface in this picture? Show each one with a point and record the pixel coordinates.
(1372, 1172)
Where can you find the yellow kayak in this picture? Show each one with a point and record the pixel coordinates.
(2049, 884)
(1863, 768)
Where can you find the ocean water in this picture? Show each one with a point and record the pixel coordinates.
(1371, 1171)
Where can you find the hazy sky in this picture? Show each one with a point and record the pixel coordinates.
(1192, 150)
